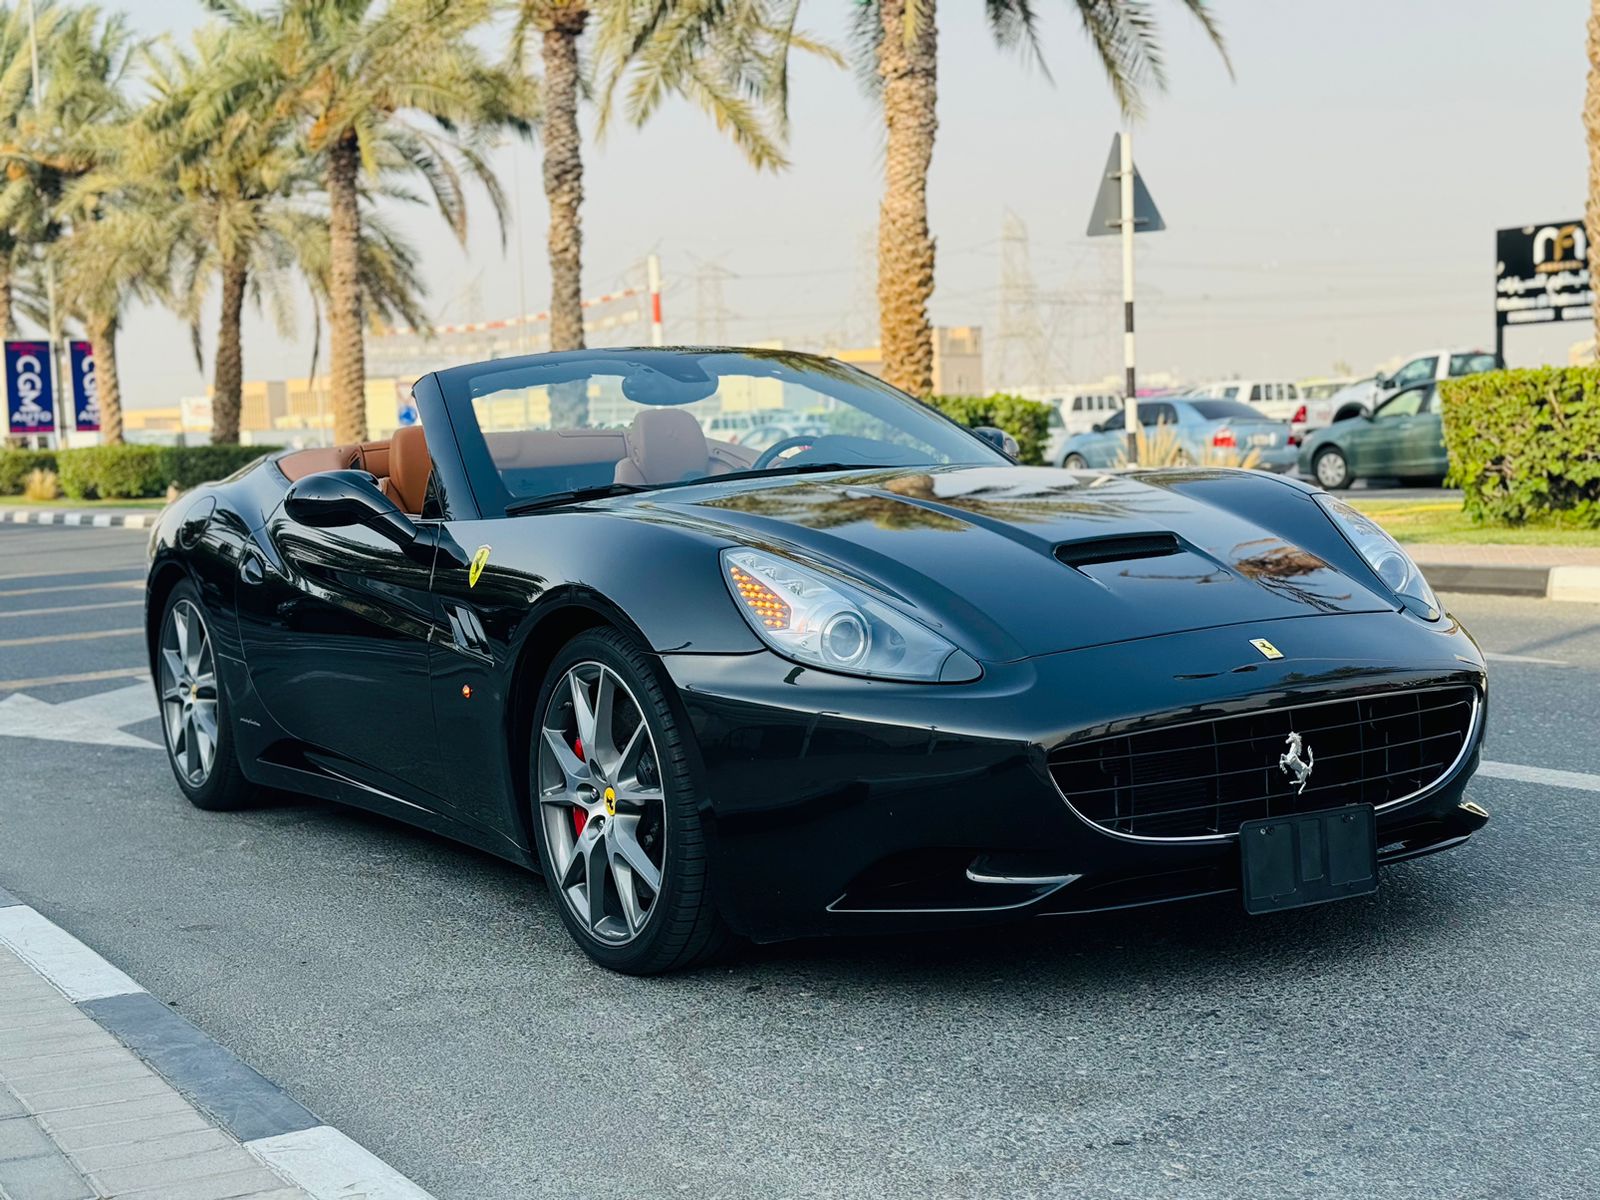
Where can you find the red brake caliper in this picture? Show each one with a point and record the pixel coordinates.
(579, 817)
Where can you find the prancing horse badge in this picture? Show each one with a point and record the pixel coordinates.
(479, 558)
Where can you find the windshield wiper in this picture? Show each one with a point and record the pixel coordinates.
(575, 496)
(800, 469)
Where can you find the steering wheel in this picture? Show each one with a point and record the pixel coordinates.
(770, 454)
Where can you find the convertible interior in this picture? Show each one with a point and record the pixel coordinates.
(662, 445)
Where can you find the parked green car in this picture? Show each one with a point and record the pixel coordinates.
(1403, 439)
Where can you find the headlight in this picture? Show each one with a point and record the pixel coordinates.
(824, 622)
(1383, 554)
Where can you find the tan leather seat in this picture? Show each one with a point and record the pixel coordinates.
(312, 461)
(409, 467)
(665, 445)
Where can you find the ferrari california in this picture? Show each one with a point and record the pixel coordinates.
(874, 676)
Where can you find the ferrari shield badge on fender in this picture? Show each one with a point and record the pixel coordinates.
(1268, 650)
(479, 558)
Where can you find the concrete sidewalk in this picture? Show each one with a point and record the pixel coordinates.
(107, 1092)
(82, 1117)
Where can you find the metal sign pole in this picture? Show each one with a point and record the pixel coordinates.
(49, 266)
(1130, 389)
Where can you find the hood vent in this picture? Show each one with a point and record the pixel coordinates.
(1121, 548)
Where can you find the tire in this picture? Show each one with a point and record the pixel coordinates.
(681, 926)
(1422, 481)
(1332, 469)
(1075, 462)
(186, 699)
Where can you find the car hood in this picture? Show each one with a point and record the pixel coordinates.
(1017, 561)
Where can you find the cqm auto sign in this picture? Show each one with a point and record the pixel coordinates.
(1541, 275)
(30, 399)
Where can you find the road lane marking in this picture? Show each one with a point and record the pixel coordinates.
(70, 587)
(16, 685)
(70, 637)
(94, 720)
(1524, 658)
(71, 608)
(1546, 775)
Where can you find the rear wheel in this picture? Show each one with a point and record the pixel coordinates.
(614, 818)
(194, 707)
(1332, 469)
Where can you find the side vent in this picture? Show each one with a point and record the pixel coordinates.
(1117, 549)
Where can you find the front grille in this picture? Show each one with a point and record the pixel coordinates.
(1206, 778)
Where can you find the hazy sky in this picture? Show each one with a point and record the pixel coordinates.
(1336, 201)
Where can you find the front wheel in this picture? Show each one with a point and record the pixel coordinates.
(194, 707)
(614, 817)
(1332, 469)
(1075, 462)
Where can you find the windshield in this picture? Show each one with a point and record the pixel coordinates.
(552, 424)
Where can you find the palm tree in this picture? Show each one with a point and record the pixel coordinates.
(119, 248)
(24, 207)
(729, 59)
(378, 90)
(239, 174)
(901, 39)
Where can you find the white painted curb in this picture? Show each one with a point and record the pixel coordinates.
(42, 516)
(76, 971)
(1574, 583)
(330, 1166)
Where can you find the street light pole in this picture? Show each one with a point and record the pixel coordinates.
(49, 266)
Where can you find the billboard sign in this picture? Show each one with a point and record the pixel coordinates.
(1542, 275)
(85, 396)
(30, 398)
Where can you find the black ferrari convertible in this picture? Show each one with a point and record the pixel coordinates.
(869, 676)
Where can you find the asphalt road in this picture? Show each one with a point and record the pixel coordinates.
(1439, 1039)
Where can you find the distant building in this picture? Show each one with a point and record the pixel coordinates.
(272, 412)
(957, 359)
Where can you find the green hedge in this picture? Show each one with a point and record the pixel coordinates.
(125, 472)
(1026, 420)
(1525, 443)
(16, 465)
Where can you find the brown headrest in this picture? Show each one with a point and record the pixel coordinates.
(409, 467)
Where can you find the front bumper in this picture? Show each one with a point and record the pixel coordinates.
(835, 804)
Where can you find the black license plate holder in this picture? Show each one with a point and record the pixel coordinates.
(1308, 858)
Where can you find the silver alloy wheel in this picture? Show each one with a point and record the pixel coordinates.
(1075, 462)
(601, 802)
(189, 692)
(1331, 468)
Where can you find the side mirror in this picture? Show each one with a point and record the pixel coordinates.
(999, 439)
(339, 499)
